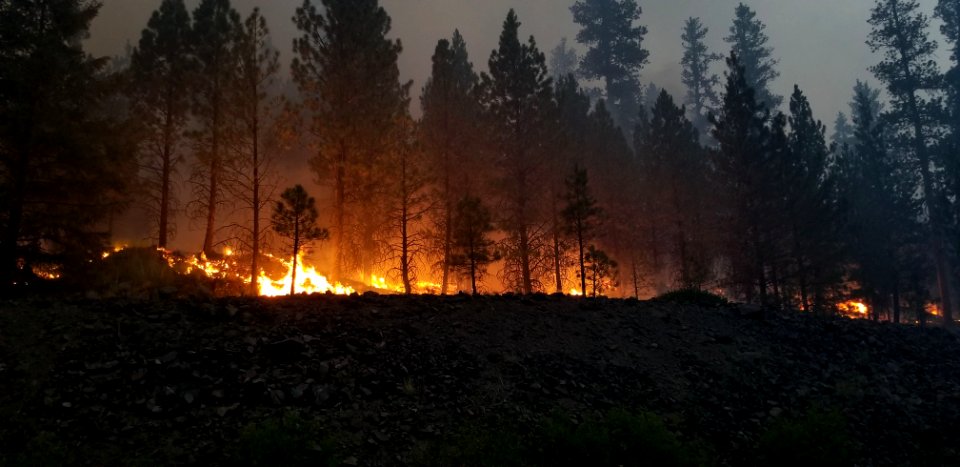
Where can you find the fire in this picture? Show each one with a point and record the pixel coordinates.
(933, 309)
(853, 309)
(309, 281)
(576, 292)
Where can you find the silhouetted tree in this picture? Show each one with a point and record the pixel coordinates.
(700, 82)
(449, 136)
(745, 174)
(215, 31)
(749, 42)
(910, 72)
(602, 271)
(581, 216)
(258, 111)
(346, 70)
(295, 217)
(472, 249)
(65, 163)
(516, 96)
(616, 54)
(160, 71)
(408, 201)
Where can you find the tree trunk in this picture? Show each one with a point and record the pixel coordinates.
(448, 228)
(296, 254)
(339, 209)
(255, 263)
(556, 246)
(583, 269)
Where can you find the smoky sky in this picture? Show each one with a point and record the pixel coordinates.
(820, 43)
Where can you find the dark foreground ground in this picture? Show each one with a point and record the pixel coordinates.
(467, 381)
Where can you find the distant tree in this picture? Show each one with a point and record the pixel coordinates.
(346, 70)
(160, 70)
(517, 99)
(258, 110)
(602, 271)
(746, 176)
(842, 131)
(581, 216)
(295, 218)
(65, 163)
(472, 248)
(700, 82)
(449, 137)
(616, 54)
(749, 42)
(215, 31)
(948, 11)
(910, 72)
(563, 60)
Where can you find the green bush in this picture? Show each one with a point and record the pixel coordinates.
(618, 438)
(818, 438)
(693, 297)
(489, 444)
(290, 440)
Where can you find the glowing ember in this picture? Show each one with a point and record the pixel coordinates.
(853, 309)
(576, 292)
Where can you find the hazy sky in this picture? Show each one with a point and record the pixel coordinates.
(820, 43)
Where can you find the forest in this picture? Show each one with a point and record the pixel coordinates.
(533, 170)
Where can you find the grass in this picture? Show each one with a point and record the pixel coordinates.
(817, 438)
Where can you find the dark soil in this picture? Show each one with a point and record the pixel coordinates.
(378, 380)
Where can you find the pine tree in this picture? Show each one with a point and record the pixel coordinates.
(472, 249)
(602, 271)
(696, 75)
(581, 216)
(563, 60)
(911, 74)
(448, 133)
(258, 111)
(842, 131)
(65, 163)
(673, 174)
(748, 40)
(876, 189)
(215, 31)
(295, 217)
(408, 203)
(746, 174)
(160, 69)
(516, 96)
(346, 70)
(616, 54)
(808, 191)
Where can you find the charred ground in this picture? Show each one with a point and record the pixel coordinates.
(377, 380)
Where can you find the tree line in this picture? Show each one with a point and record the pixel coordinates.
(554, 174)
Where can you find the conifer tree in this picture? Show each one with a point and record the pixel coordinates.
(910, 72)
(602, 271)
(65, 163)
(160, 69)
(700, 82)
(746, 174)
(563, 60)
(516, 97)
(448, 133)
(808, 192)
(616, 54)
(250, 172)
(346, 70)
(215, 32)
(472, 249)
(581, 215)
(295, 217)
(748, 41)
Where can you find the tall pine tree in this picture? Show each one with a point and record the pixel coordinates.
(346, 70)
(616, 53)
(748, 41)
(161, 68)
(700, 82)
(516, 96)
(910, 72)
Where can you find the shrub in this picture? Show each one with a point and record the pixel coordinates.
(818, 438)
(289, 440)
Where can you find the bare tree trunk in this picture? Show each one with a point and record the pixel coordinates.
(556, 246)
(404, 220)
(447, 227)
(255, 263)
(339, 209)
(296, 254)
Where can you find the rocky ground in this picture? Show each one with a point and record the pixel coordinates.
(377, 380)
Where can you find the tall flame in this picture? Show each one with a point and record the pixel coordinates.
(309, 281)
